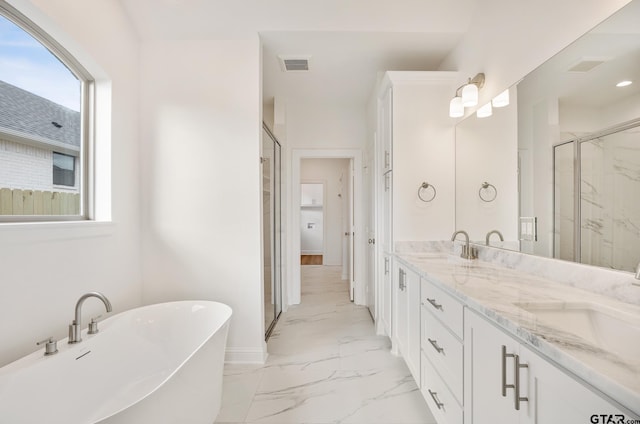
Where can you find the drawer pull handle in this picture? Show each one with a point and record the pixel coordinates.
(434, 304)
(434, 396)
(434, 343)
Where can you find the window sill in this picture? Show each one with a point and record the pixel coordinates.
(21, 232)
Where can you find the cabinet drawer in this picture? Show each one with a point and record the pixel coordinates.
(442, 403)
(444, 306)
(444, 351)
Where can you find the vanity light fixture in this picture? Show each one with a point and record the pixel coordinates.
(624, 83)
(456, 109)
(466, 96)
(485, 111)
(470, 90)
(501, 100)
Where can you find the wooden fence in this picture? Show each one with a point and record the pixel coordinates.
(36, 202)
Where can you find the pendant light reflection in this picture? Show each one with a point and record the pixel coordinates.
(501, 100)
(485, 111)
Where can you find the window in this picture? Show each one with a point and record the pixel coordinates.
(43, 125)
(64, 170)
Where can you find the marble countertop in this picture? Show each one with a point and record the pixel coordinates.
(501, 295)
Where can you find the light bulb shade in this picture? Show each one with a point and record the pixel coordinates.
(501, 100)
(484, 111)
(469, 95)
(456, 110)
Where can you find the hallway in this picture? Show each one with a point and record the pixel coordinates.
(325, 365)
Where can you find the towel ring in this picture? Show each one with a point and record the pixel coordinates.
(425, 186)
(490, 192)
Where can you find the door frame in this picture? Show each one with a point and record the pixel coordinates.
(293, 283)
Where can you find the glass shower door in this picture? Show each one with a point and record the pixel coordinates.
(272, 229)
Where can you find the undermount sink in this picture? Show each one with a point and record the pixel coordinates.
(614, 331)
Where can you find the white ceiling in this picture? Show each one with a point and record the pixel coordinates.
(616, 41)
(349, 41)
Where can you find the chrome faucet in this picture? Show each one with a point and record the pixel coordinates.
(468, 252)
(489, 236)
(75, 328)
(638, 271)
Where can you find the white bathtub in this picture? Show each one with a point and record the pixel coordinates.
(155, 364)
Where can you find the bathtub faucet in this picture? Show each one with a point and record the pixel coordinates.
(75, 328)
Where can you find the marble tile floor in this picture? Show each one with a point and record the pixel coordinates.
(325, 365)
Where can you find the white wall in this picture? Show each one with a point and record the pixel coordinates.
(486, 150)
(201, 129)
(423, 151)
(47, 267)
(320, 126)
(580, 119)
(25, 167)
(331, 172)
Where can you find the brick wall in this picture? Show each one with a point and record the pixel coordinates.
(26, 167)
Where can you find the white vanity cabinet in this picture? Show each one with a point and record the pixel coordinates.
(386, 294)
(442, 353)
(407, 318)
(506, 382)
(414, 144)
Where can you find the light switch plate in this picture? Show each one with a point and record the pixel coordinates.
(529, 228)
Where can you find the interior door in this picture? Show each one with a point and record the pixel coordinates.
(351, 231)
(370, 201)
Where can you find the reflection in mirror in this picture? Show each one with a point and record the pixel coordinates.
(564, 204)
(604, 228)
(573, 96)
(486, 176)
(581, 214)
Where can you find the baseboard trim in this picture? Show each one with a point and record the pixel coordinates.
(245, 356)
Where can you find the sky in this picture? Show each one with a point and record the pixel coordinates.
(27, 64)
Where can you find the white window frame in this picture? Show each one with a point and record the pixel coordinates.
(86, 158)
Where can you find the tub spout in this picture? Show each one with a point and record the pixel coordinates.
(75, 328)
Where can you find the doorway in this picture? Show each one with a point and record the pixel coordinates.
(351, 235)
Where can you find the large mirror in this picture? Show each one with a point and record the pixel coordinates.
(564, 156)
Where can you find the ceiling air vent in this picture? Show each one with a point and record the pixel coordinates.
(585, 65)
(295, 63)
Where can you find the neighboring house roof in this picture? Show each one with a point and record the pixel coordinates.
(28, 113)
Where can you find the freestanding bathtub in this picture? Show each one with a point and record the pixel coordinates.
(161, 363)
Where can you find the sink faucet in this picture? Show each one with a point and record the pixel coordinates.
(638, 271)
(468, 252)
(489, 236)
(75, 328)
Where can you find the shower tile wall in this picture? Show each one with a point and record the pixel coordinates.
(610, 204)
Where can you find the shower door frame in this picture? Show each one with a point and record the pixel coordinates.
(276, 231)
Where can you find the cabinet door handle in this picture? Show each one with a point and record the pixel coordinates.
(434, 396)
(386, 265)
(516, 371)
(516, 377)
(434, 343)
(386, 182)
(386, 159)
(505, 386)
(434, 304)
(402, 284)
